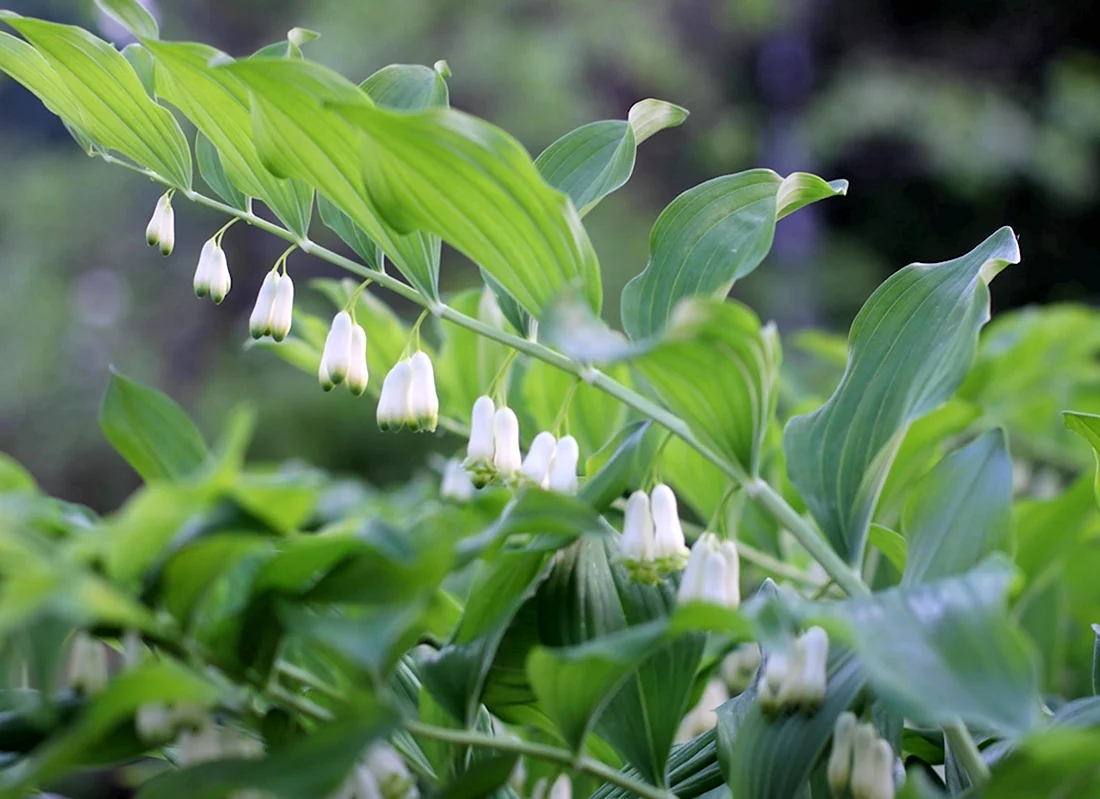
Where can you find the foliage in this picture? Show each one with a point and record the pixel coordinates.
(300, 620)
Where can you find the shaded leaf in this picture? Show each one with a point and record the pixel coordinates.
(212, 171)
(132, 15)
(1087, 425)
(890, 544)
(593, 415)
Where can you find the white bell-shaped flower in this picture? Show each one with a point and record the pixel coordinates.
(393, 400)
(154, 722)
(456, 484)
(728, 550)
(775, 675)
(714, 588)
(423, 400)
(668, 534)
(839, 767)
(813, 679)
(212, 274)
(636, 543)
(540, 456)
(199, 745)
(161, 230)
(506, 455)
(87, 664)
(872, 765)
(563, 471)
(336, 356)
(357, 371)
(282, 312)
(703, 717)
(691, 582)
(479, 451)
(259, 322)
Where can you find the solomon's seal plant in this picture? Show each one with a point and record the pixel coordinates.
(878, 600)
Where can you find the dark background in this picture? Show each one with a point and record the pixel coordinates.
(949, 119)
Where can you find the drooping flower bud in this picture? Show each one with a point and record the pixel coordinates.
(336, 356)
(775, 675)
(790, 690)
(728, 549)
(357, 371)
(536, 466)
(707, 576)
(563, 471)
(456, 484)
(87, 664)
(668, 534)
(212, 274)
(393, 400)
(423, 400)
(703, 717)
(872, 765)
(691, 582)
(259, 323)
(506, 454)
(161, 230)
(812, 681)
(840, 756)
(714, 579)
(636, 543)
(479, 452)
(282, 312)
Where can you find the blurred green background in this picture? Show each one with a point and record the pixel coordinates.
(949, 119)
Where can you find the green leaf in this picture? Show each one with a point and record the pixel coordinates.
(1058, 762)
(30, 68)
(717, 368)
(149, 430)
(350, 233)
(711, 236)
(613, 469)
(594, 160)
(311, 766)
(218, 104)
(947, 650)
(910, 347)
(593, 415)
(467, 362)
(13, 477)
(212, 171)
(1087, 425)
(475, 186)
(961, 511)
(765, 758)
(131, 14)
(114, 108)
(890, 544)
(1096, 661)
(144, 66)
(482, 779)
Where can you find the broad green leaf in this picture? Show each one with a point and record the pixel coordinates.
(509, 308)
(475, 186)
(696, 480)
(115, 110)
(467, 362)
(1043, 614)
(137, 536)
(947, 650)
(133, 15)
(1096, 661)
(311, 766)
(613, 468)
(218, 104)
(1055, 763)
(298, 133)
(716, 367)
(693, 771)
(13, 477)
(961, 511)
(594, 160)
(1049, 530)
(483, 778)
(711, 236)
(283, 502)
(593, 414)
(351, 234)
(144, 66)
(910, 347)
(1087, 425)
(30, 68)
(149, 430)
(765, 758)
(189, 573)
(890, 544)
(212, 171)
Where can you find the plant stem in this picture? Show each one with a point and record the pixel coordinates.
(550, 754)
(964, 748)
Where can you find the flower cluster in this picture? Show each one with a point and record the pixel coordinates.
(860, 761)
(344, 358)
(274, 309)
(797, 679)
(713, 573)
(653, 538)
(494, 452)
(212, 274)
(161, 230)
(408, 397)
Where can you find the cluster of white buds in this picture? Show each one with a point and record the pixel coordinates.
(704, 715)
(653, 538)
(739, 667)
(494, 452)
(274, 309)
(456, 484)
(713, 573)
(561, 788)
(408, 397)
(860, 761)
(212, 741)
(797, 679)
(381, 774)
(344, 358)
(87, 664)
(156, 722)
(212, 274)
(161, 230)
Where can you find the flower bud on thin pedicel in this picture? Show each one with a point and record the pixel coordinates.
(536, 466)
(282, 312)
(259, 323)
(691, 583)
(872, 765)
(336, 356)
(161, 230)
(201, 281)
(357, 372)
(456, 484)
(714, 579)
(212, 274)
(814, 677)
(506, 455)
(668, 534)
(636, 543)
(840, 756)
(479, 451)
(790, 691)
(728, 550)
(563, 471)
(775, 674)
(87, 664)
(882, 758)
(423, 399)
(393, 400)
